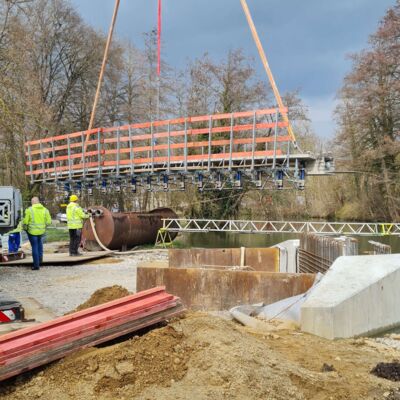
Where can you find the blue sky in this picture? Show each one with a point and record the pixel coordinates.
(306, 41)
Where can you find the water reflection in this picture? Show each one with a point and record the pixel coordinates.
(219, 239)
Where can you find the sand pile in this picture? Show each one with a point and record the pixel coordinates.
(205, 357)
(104, 295)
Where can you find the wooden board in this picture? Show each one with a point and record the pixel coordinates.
(59, 259)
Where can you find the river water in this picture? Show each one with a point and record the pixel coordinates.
(228, 240)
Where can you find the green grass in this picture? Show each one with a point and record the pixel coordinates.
(176, 244)
(61, 234)
(56, 235)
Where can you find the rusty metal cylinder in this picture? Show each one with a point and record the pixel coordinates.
(121, 231)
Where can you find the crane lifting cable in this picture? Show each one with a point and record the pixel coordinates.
(159, 39)
(159, 14)
(101, 75)
(159, 30)
(267, 67)
(103, 66)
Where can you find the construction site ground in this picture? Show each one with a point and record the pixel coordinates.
(199, 356)
(206, 357)
(62, 288)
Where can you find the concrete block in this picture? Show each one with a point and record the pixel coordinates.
(216, 290)
(288, 255)
(359, 295)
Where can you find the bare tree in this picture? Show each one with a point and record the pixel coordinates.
(228, 86)
(369, 117)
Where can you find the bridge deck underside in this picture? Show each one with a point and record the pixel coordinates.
(178, 166)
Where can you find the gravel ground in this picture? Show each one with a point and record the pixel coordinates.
(388, 341)
(62, 289)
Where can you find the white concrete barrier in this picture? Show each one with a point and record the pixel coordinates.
(359, 295)
(288, 256)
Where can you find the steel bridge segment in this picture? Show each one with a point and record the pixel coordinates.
(244, 226)
(185, 146)
(238, 162)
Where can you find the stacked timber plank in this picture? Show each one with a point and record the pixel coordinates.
(26, 349)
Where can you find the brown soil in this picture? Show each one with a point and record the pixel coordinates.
(205, 357)
(104, 295)
(105, 260)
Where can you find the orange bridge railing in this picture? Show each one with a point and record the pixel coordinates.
(183, 144)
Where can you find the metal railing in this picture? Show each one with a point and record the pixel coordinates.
(317, 252)
(243, 226)
(247, 140)
(380, 248)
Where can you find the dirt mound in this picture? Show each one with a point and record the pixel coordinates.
(389, 371)
(104, 295)
(204, 357)
(155, 359)
(129, 367)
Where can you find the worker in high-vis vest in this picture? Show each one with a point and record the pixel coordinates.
(75, 219)
(37, 219)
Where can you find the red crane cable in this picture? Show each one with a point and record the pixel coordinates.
(159, 39)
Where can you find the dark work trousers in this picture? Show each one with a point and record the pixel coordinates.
(36, 242)
(74, 241)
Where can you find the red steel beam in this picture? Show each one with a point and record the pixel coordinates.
(56, 341)
(26, 349)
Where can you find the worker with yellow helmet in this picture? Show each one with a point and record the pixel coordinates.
(75, 218)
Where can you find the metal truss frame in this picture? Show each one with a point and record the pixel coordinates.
(243, 142)
(262, 227)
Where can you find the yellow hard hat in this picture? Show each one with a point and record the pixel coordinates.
(74, 197)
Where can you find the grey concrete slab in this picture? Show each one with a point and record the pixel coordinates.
(359, 295)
